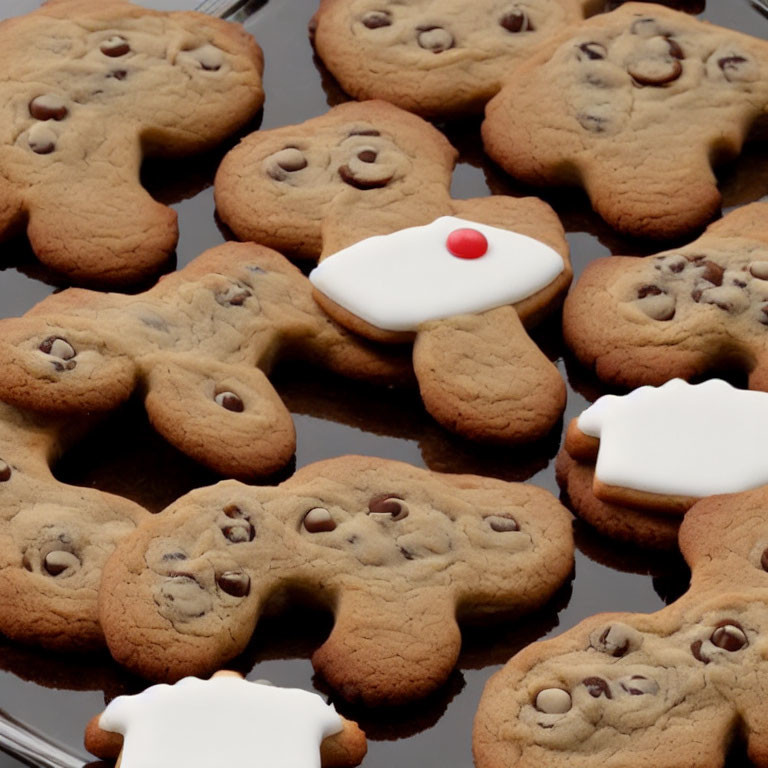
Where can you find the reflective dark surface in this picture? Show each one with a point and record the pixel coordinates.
(58, 695)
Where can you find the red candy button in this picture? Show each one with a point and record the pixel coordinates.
(467, 243)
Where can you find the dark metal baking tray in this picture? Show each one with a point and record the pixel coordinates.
(57, 695)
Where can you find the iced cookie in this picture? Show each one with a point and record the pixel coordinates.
(54, 538)
(330, 186)
(682, 313)
(397, 554)
(438, 58)
(224, 721)
(91, 87)
(634, 105)
(668, 689)
(198, 346)
(629, 460)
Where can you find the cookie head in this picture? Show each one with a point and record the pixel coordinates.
(435, 61)
(368, 155)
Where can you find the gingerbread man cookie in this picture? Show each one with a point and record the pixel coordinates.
(681, 313)
(197, 345)
(632, 465)
(224, 721)
(666, 689)
(330, 186)
(395, 552)
(635, 105)
(91, 87)
(436, 58)
(54, 538)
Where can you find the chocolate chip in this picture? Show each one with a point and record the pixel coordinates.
(365, 132)
(55, 346)
(235, 583)
(406, 553)
(656, 72)
(48, 107)
(118, 74)
(648, 290)
(174, 556)
(594, 51)
(502, 523)
(759, 269)
(713, 273)
(730, 637)
(731, 65)
(377, 19)
(389, 505)
(597, 687)
(738, 283)
(594, 123)
(368, 155)
(348, 177)
(553, 701)
(41, 139)
(233, 511)
(230, 401)
(5, 471)
(638, 685)
(615, 641)
(59, 561)
(239, 532)
(764, 560)
(319, 520)
(675, 51)
(234, 296)
(696, 651)
(186, 595)
(115, 46)
(516, 21)
(696, 294)
(435, 39)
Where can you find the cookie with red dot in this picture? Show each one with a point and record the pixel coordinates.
(92, 87)
(366, 189)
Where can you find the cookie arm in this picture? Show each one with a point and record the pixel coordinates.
(346, 748)
(483, 377)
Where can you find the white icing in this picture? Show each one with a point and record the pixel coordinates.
(681, 439)
(398, 281)
(225, 721)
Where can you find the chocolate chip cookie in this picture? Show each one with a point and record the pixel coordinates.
(438, 59)
(635, 106)
(91, 87)
(396, 553)
(198, 346)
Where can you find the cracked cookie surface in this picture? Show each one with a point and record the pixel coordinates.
(90, 88)
(198, 346)
(633, 105)
(436, 59)
(670, 688)
(395, 552)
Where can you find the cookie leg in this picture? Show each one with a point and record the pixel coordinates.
(228, 419)
(483, 377)
(100, 229)
(389, 648)
(686, 201)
